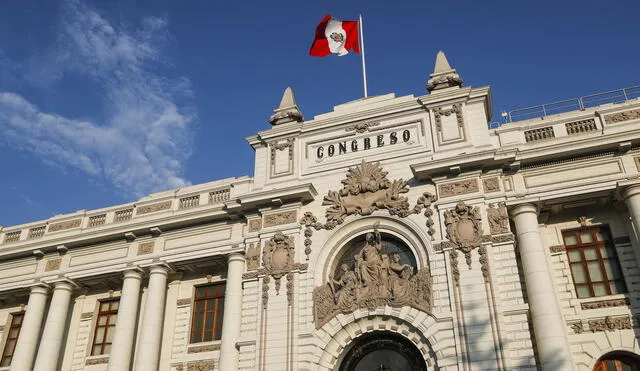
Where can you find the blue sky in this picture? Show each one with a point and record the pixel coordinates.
(102, 102)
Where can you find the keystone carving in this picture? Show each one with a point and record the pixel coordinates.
(365, 190)
(278, 254)
(373, 279)
(464, 226)
(498, 218)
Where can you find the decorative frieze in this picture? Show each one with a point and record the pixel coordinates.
(123, 215)
(97, 220)
(201, 365)
(622, 116)
(36, 232)
(610, 323)
(189, 202)
(498, 218)
(557, 249)
(255, 225)
(97, 361)
(605, 303)
(509, 237)
(52, 265)
(285, 217)
(458, 188)
(491, 184)
(582, 126)
(539, 134)
(361, 127)
(203, 348)
(145, 248)
(147, 209)
(183, 302)
(86, 316)
(12, 236)
(69, 224)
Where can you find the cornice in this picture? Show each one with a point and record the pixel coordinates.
(278, 196)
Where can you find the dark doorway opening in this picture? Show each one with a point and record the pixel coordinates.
(382, 351)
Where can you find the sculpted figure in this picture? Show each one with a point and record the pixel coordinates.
(371, 264)
(348, 283)
(399, 277)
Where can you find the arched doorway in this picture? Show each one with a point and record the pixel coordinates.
(382, 351)
(618, 361)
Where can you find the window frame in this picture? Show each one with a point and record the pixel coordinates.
(217, 321)
(597, 245)
(109, 326)
(8, 338)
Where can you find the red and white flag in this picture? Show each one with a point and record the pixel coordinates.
(335, 36)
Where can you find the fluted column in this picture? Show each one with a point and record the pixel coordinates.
(548, 323)
(24, 353)
(151, 335)
(124, 336)
(232, 313)
(631, 195)
(54, 328)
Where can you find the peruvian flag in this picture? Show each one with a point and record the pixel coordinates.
(335, 36)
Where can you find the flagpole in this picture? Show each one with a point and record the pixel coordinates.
(364, 67)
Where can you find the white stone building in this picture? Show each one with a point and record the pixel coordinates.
(393, 233)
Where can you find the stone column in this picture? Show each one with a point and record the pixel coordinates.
(148, 353)
(232, 313)
(24, 353)
(631, 195)
(124, 336)
(54, 328)
(549, 327)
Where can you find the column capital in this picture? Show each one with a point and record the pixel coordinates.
(526, 207)
(39, 289)
(135, 273)
(159, 269)
(64, 285)
(235, 256)
(628, 189)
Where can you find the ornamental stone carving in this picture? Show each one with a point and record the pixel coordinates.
(255, 225)
(277, 255)
(610, 324)
(146, 209)
(69, 224)
(285, 217)
(622, 116)
(605, 304)
(52, 265)
(458, 188)
(253, 257)
(498, 218)
(491, 184)
(373, 278)
(365, 190)
(464, 226)
(361, 127)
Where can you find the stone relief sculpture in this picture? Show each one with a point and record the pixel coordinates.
(373, 278)
(498, 218)
(277, 255)
(253, 257)
(464, 226)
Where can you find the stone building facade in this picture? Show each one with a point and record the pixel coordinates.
(393, 233)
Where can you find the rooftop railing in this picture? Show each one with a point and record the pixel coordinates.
(575, 104)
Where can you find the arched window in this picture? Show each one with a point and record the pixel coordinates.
(618, 362)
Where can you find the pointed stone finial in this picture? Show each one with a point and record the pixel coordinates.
(288, 110)
(443, 75)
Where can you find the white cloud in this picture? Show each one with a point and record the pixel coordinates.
(144, 139)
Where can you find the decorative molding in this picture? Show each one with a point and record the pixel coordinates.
(622, 116)
(491, 184)
(622, 240)
(52, 265)
(582, 126)
(265, 292)
(361, 127)
(203, 348)
(290, 288)
(458, 188)
(539, 134)
(200, 365)
(376, 279)
(557, 249)
(255, 225)
(456, 108)
(275, 146)
(453, 256)
(97, 361)
(498, 218)
(610, 323)
(605, 304)
(86, 315)
(253, 256)
(464, 227)
(285, 217)
(69, 224)
(308, 220)
(484, 262)
(145, 248)
(509, 237)
(183, 302)
(147, 209)
(250, 275)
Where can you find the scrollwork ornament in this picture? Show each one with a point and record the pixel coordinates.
(464, 226)
(278, 254)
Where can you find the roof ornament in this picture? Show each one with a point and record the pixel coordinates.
(443, 75)
(288, 110)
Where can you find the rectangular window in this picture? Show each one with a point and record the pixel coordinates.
(594, 262)
(208, 306)
(12, 339)
(105, 327)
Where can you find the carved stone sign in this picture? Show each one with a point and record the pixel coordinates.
(498, 218)
(464, 226)
(365, 190)
(285, 217)
(372, 279)
(458, 188)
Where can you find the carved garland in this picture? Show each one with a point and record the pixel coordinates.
(365, 190)
(439, 112)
